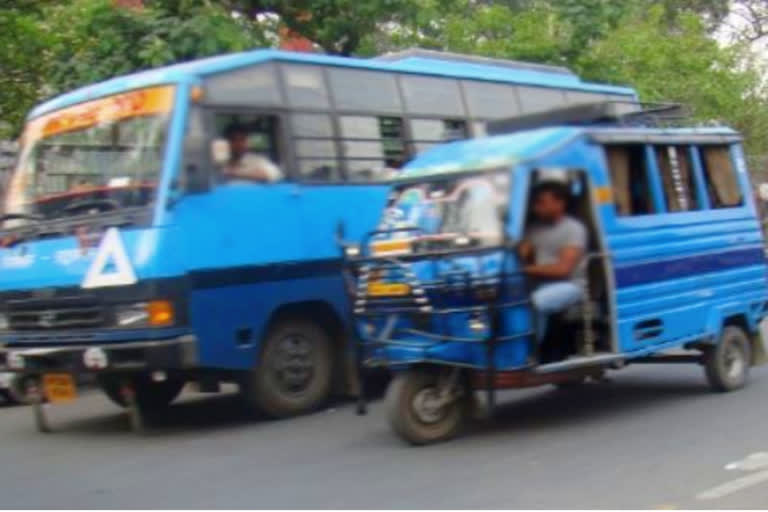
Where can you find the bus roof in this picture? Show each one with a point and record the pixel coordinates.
(519, 147)
(424, 63)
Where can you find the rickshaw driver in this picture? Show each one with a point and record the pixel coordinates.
(552, 253)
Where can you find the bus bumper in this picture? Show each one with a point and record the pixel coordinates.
(170, 354)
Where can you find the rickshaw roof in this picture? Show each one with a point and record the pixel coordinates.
(524, 146)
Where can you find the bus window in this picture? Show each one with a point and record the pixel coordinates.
(366, 91)
(720, 176)
(252, 145)
(428, 132)
(629, 174)
(305, 86)
(677, 178)
(490, 100)
(315, 147)
(372, 145)
(538, 99)
(426, 95)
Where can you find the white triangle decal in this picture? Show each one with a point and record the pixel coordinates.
(111, 267)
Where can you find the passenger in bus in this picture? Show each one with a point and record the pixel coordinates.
(552, 253)
(244, 165)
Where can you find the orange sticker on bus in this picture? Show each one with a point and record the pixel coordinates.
(136, 103)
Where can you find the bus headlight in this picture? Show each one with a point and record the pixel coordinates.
(155, 313)
(132, 315)
(14, 360)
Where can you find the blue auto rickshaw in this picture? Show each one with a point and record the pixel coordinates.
(674, 264)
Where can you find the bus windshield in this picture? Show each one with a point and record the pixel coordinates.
(470, 205)
(94, 157)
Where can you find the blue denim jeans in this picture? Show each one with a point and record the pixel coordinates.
(552, 298)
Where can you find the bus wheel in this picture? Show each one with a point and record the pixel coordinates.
(293, 375)
(417, 411)
(16, 393)
(727, 363)
(150, 394)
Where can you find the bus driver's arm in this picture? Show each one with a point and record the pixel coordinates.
(255, 168)
(567, 262)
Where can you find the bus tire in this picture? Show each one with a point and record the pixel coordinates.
(150, 395)
(409, 413)
(17, 394)
(727, 363)
(293, 375)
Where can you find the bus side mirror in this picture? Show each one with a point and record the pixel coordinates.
(220, 152)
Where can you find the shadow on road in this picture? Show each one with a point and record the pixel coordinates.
(518, 411)
(552, 408)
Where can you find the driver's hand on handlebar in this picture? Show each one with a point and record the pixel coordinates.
(525, 251)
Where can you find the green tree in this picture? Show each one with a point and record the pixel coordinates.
(337, 26)
(23, 59)
(683, 65)
(95, 40)
(48, 47)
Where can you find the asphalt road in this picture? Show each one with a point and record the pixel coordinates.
(655, 437)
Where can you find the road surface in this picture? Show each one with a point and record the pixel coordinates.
(655, 437)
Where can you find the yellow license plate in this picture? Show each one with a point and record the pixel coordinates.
(59, 387)
(377, 289)
(391, 247)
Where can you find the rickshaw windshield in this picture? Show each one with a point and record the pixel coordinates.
(105, 154)
(472, 205)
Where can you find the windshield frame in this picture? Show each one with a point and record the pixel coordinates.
(159, 101)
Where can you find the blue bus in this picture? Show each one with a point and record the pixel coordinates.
(178, 225)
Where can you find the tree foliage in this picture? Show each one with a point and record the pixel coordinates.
(664, 48)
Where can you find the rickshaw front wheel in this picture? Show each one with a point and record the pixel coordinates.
(727, 363)
(420, 409)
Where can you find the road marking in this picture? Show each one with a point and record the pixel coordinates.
(753, 462)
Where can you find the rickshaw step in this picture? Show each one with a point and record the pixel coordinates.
(599, 359)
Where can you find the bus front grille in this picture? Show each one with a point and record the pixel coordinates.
(63, 313)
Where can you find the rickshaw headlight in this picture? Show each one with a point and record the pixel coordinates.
(477, 324)
(352, 251)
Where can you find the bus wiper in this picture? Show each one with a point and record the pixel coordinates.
(17, 216)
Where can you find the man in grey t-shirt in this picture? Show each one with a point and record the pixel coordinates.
(552, 253)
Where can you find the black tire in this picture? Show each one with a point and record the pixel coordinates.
(293, 375)
(6, 396)
(17, 393)
(727, 363)
(426, 426)
(150, 395)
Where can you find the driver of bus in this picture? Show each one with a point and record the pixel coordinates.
(244, 165)
(552, 253)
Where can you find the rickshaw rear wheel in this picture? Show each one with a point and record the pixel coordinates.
(727, 363)
(418, 414)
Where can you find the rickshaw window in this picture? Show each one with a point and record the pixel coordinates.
(677, 178)
(629, 176)
(720, 176)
